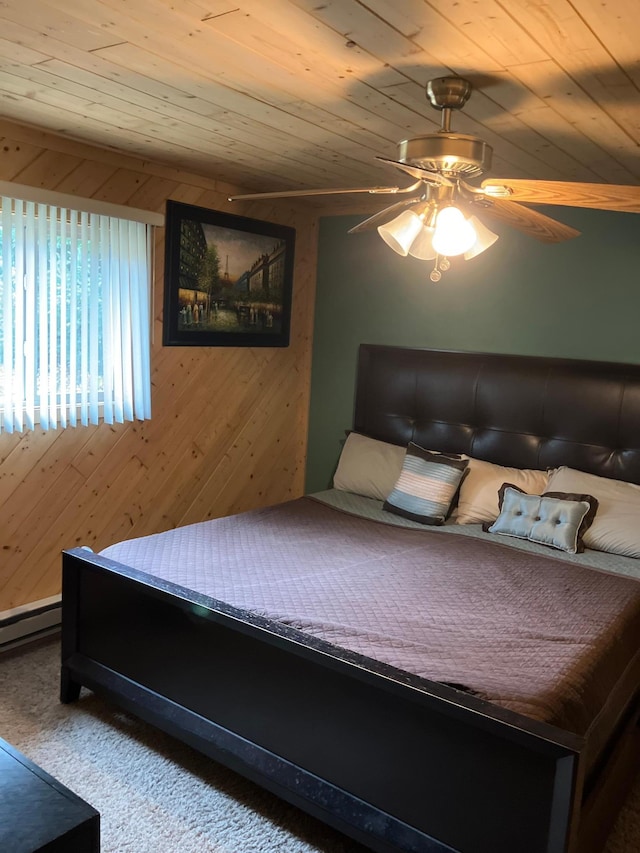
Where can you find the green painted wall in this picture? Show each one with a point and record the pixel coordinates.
(579, 299)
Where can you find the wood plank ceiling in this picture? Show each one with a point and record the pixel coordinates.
(291, 94)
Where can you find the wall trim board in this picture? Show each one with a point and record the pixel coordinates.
(30, 621)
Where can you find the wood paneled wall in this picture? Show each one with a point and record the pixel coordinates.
(229, 425)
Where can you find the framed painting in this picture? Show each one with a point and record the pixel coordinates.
(228, 279)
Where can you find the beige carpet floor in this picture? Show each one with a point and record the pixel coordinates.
(156, 795)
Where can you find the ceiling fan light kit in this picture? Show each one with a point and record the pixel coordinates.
(439, 221)
(485, 238)
(400, 233)
(422, 246)
(454, 235)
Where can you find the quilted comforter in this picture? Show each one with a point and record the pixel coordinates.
(542, 637)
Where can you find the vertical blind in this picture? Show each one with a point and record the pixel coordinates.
(74, 317)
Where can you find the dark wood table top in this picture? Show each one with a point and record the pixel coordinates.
(40, 815)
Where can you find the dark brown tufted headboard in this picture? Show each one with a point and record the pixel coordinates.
(522, 411)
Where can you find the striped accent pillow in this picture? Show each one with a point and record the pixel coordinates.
(426, 486)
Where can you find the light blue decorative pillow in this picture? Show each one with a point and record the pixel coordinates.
(426, 486)
(555, 519)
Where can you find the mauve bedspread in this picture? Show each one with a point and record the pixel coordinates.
(531, 633)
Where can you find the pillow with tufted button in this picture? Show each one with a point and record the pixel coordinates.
(556, 519)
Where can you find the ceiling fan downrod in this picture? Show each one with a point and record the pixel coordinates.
(448, 94)
(455, 155)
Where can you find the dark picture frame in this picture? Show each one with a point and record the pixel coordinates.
(228, 279)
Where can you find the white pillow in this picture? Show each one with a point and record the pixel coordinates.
(616, 527)
(478, 500)
(368, 467)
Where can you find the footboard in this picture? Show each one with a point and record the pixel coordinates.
(392, 760)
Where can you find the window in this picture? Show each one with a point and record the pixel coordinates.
(74, 316)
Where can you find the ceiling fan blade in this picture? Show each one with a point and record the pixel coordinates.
(418, 172)
(525, 219)
(571, 194)
(382, 215)
(291, 193)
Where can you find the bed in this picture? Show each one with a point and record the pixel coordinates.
(395, 759)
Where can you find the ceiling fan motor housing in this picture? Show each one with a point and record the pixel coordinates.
(450, 154)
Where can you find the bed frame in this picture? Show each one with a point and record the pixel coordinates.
(397, 762)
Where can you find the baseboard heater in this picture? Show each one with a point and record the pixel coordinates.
(30, 622)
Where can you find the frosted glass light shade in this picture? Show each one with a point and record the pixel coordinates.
(454, 235)
(400, 233)
(422, 246)
(484, 238)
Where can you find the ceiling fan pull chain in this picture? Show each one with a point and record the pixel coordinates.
(442, 264)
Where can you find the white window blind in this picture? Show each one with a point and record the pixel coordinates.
(74, 317)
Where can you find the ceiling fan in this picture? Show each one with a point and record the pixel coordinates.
(438, 218)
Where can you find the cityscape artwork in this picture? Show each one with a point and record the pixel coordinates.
(228, 279)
